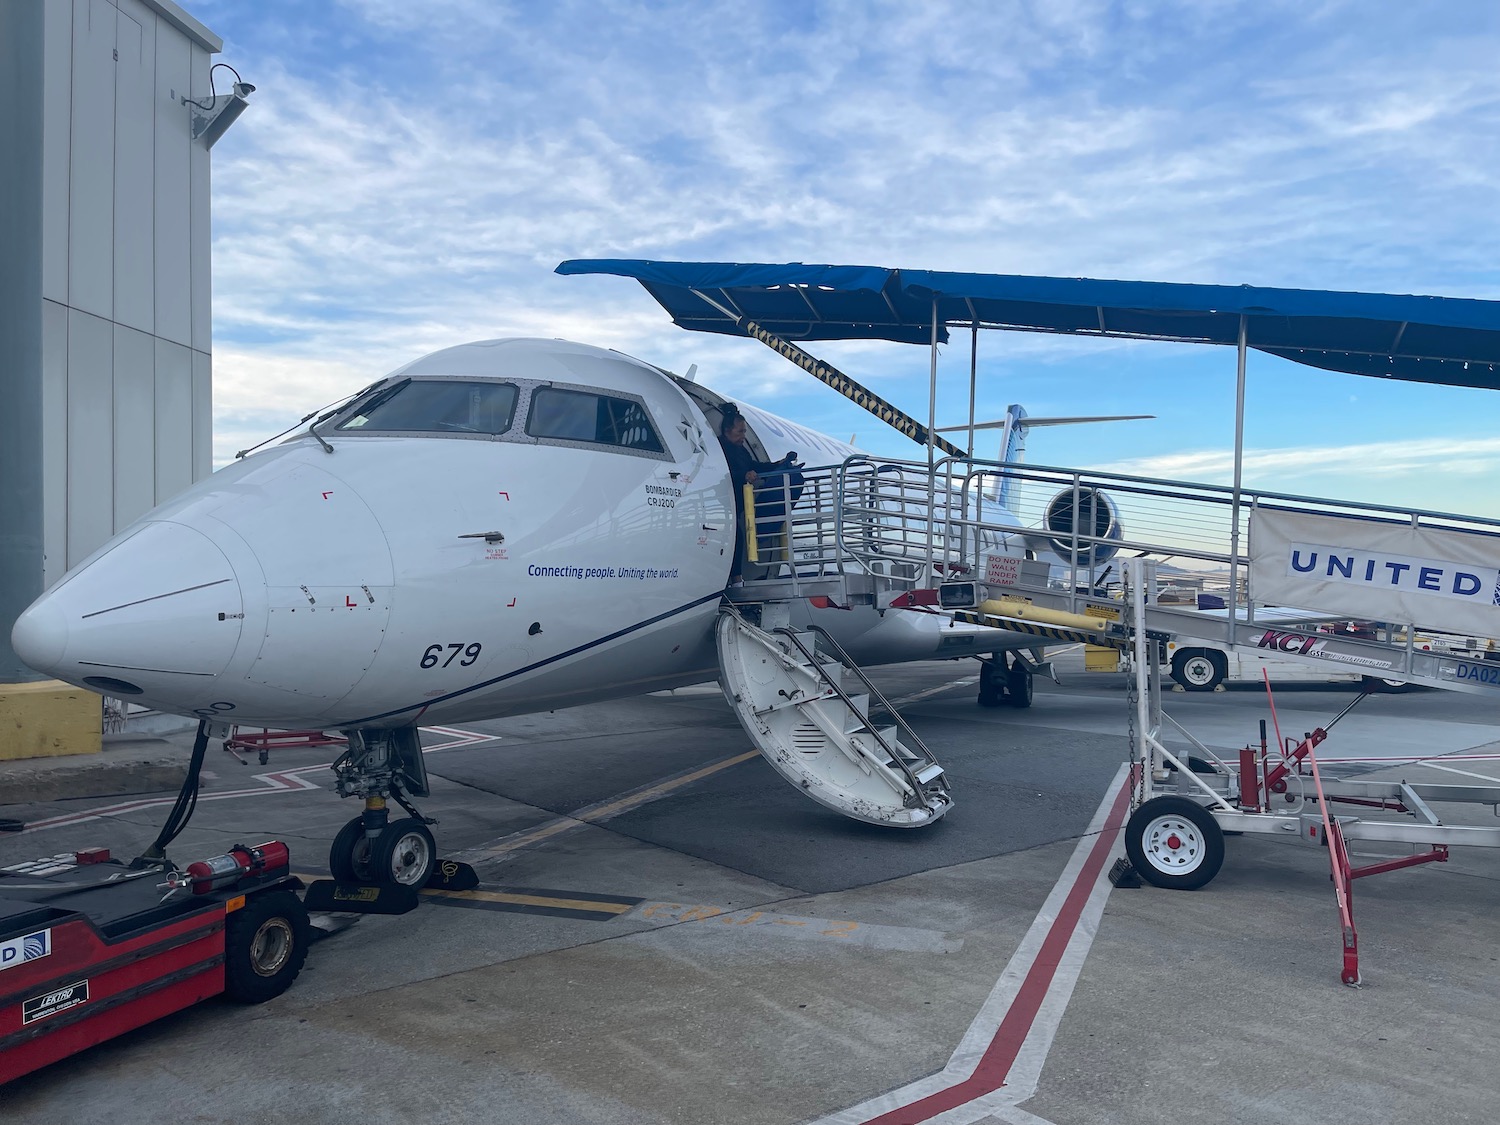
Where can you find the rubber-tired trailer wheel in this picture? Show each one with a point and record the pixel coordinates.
(265, 944)
(1174, 843)
(1198, 669)
(349, 857)
(404, 854)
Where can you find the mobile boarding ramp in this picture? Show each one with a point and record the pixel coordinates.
(1286, 568)
(1041, 550)
(1434, 340)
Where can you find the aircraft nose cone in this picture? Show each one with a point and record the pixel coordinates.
(40, 636)
(161, 600)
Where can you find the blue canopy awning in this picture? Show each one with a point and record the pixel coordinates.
(1449, 340)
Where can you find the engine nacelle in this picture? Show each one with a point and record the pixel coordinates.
(1097, 518)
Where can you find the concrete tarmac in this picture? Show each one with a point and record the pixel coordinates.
(668, 933)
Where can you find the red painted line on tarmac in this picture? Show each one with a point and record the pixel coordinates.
(990, 1074)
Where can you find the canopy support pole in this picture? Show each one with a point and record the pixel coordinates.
(1234, 507)
(973, 379)
(931, 434)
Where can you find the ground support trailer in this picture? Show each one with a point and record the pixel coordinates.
(91, 948)
(1183, 805)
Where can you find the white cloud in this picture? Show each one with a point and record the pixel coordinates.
(408, 175)
(1475, 457)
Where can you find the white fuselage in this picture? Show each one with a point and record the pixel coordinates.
(442, 574)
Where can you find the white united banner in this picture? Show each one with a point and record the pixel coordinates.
(1444, 580)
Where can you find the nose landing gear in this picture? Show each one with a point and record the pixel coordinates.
(373, 849)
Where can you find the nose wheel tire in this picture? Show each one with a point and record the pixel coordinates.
(404, 854)
(349, 857)
(1174, 843)
(265, 944)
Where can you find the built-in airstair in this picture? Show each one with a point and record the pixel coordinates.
(807, 708)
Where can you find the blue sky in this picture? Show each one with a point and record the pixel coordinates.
(408, 175)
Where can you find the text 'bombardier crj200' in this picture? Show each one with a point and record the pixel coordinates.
(521, 525)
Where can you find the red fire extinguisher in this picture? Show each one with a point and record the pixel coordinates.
(235, 864)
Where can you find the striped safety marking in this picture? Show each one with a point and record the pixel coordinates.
(1015, 625)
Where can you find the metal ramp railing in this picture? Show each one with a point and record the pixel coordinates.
(863, 527)
(1203, 532)
(1053, 538)
(852, 531)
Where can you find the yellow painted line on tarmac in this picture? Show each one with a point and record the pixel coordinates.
(651, 793)
(527, 900)
(590, 906)
(594, 814)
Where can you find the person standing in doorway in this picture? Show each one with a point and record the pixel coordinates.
(743, 469)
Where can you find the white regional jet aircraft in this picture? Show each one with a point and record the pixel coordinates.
(497, 528)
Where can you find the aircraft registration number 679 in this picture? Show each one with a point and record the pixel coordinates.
(434, 654)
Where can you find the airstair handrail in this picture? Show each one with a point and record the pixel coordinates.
(843, 658)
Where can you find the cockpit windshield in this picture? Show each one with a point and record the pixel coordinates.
(438, 406)
(575, 415)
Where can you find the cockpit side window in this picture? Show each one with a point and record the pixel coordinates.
(570, 415)
(439, 406)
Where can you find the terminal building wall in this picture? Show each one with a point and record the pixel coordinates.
(126, 372)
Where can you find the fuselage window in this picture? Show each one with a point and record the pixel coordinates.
(444, 406)
(581, 416)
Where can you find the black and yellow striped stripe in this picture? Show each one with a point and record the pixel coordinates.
(1031, 628)
(855, 392)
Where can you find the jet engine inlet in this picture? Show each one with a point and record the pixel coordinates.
(1095, 518)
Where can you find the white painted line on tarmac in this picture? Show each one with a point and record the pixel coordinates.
(1461, 773)
(277, 781)
(1419, 759)
(999, 1060)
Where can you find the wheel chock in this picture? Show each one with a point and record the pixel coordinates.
(356, 898)
(1123, 875)
(452, 875)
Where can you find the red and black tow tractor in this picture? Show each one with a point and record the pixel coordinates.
(92, 947)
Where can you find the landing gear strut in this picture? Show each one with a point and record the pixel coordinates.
(383, 765)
